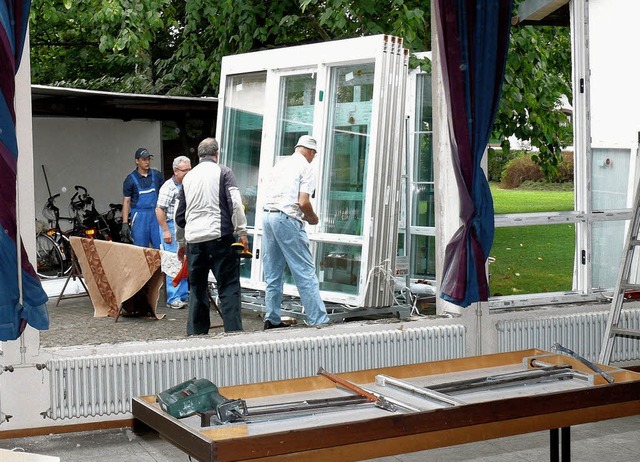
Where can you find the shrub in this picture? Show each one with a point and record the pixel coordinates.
(522, 169)
(565, 168)
(497, 160)
(519, 170)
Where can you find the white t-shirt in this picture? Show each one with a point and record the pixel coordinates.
(290, 176)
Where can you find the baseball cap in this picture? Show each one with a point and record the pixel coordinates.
(307, 142)
(142, 152)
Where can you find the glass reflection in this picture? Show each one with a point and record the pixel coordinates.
(348, 146)
(339, 267)
(242, 140)
(296, 113)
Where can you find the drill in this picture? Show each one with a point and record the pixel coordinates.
(201, 396)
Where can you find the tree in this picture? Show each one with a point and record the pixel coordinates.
(175, 47)
(537, 76)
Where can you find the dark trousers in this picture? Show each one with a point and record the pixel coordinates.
(217, 256)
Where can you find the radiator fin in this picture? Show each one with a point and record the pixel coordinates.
(582, 333)
(104, 385)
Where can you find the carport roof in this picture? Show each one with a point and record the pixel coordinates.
(543, 13)
(71, 102)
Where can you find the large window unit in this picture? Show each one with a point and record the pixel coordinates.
(349, 95)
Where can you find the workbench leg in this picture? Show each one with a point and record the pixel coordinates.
(560, 444)
(554, 443)
(565, 441)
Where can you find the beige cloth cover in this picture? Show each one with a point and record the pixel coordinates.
(122, 279)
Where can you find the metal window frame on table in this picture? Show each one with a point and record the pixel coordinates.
(409, 432)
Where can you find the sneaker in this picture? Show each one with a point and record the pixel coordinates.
(269, 325)
(177, 305)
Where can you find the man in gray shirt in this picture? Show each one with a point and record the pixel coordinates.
(210, 210)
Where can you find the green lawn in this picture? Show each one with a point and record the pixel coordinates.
(532, 259)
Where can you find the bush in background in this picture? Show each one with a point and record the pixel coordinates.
(498, 159)
(519, 170)
(522, 169)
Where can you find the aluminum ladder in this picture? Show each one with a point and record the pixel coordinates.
(622, 285)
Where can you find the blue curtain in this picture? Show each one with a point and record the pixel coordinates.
(473, 37)
(14, 313)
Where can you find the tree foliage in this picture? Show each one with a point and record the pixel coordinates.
(537, 76)
(175, 47)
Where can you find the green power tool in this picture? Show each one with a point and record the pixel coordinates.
(197, 396)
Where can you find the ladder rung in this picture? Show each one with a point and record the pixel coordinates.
(627, 332)
(634, 242)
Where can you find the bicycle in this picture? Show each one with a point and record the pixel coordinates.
(53, 247)
(88, 222)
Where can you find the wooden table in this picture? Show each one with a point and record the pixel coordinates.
(121, 279)
(342, 436)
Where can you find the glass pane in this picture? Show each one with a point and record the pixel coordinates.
(339, 266)
(423, 163)
(423, 259)
(423, 159)
(610, 177)
(606, 256)
(424, 104)
(348, 146)
(243, 115)
(296, 114)
(532, 259)
(423, 213)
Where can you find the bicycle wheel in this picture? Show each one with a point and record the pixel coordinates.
(49, 259)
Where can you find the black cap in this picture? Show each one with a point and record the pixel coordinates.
(142, 152)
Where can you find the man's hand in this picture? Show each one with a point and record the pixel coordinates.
(245, 242)
(166, 235)
(311, 219)
(125, 233)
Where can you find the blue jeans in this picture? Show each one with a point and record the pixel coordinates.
(217, 256)
(286, 242)
(180, 293)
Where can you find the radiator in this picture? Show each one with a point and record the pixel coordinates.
(582, 333)
(104, 385)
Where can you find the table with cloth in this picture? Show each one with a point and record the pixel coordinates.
(122, 279)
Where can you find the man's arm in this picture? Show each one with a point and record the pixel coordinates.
(306, 208)
(161, 215)
(126, 208)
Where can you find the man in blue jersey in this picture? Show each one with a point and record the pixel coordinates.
(140, 190)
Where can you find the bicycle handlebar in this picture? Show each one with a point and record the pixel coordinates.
(52, 199)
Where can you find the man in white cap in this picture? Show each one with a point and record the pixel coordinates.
(285, 241)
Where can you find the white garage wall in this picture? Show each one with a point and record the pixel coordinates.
(94, 153)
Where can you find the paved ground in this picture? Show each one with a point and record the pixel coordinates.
(72, 323)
